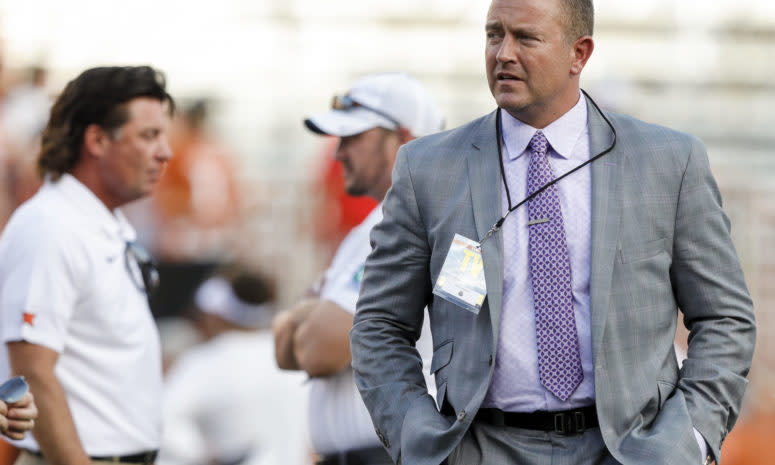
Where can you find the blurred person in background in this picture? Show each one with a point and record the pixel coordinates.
(74, 311)
(750, 443)
(379, 113)
(6, 201)
(225, 400)
(197, 203)
(566, 355)
(24, 112)
(25, 107)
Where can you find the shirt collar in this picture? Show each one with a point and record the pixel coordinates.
(562, 134)
(114, 223)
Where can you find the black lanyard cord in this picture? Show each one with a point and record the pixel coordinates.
(499, 136)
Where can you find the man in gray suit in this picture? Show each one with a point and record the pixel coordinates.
(553, 328)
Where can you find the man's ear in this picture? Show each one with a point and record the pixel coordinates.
(582, 50)
(95, 141)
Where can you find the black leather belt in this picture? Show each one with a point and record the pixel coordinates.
(567, 422)
(146, 458)
(366, 456)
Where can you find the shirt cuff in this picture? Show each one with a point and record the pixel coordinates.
(703, 446)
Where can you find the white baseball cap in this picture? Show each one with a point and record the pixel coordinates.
(216, 296)
(386, 100)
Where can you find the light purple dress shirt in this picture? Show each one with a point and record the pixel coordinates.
(515, 385)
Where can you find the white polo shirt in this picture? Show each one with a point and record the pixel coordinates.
(338, 418)
(65, 285)
(226, 399)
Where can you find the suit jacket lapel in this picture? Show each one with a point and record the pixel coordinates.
(484, 179)
(606, 214)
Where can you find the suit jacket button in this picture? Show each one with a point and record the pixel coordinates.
(461, 415)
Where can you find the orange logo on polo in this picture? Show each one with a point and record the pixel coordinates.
(29, 318)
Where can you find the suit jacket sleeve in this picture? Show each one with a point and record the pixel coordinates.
(710, 289)
(395, 289)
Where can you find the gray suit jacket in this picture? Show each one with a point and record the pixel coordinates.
(660, 242)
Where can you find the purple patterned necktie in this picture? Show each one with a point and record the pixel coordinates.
(559, 358)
